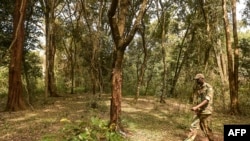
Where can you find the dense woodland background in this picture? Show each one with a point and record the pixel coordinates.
(53, 48)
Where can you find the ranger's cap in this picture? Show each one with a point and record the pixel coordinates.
(199, 75)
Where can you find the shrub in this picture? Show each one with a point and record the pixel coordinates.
(97, 129)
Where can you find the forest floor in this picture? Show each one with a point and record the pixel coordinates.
(146, 120)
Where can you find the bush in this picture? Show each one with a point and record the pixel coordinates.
(94, 130)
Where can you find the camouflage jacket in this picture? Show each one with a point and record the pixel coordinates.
(205, 92)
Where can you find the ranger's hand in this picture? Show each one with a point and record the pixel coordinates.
(195, 109)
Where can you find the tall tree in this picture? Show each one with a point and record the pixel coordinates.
(231, 70)
(162, 20)
(143, 67)
(15, 100)
(234, 95)
(122, 34)
(212, 20)
(92, 18)
(49, 10)
(71, 48)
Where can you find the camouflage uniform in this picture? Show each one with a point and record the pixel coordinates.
(204, 92)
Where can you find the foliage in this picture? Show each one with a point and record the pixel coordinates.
(31, 61)
(6, 9)
(32, 74)
(244, 45)
(186, 43)
(96, 129)
(246, 15)
(33, 65)
(3, 80)
(244, 71)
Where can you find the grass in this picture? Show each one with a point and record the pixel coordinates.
(146, 120)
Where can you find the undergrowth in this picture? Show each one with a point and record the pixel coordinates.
(96, 129)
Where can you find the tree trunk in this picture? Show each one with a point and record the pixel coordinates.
(163, 51)
(235, 101)
(51, 59)
(50, 49)
(116, 96)
(143, 65)
(221, 62)
(231, 72)
(94, 70)
(150, 76)
(180, 63)
(118, 16)
(216, 44)
(95, 38)
(15, 100)
(28, 86)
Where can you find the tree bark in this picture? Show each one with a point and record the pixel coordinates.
(221, 62)
(143, 65)
(231, 72)
(180, 63)
(15, 100)
(118, 16)
(116, 99)
(163, 51)
(215, 43)
(234, 100)
(50, 84)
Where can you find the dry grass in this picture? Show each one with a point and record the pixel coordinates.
(146, 120)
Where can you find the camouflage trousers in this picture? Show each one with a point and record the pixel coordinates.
(204, 121)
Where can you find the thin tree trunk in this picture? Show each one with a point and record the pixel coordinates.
(179, 62)
(28, 87)
(51, 59)
(163, 56)
(150, 76)
(15, 100)
(143, 65)
(100, 44)
(50, 84)
(162, 19)
(235, 101)
(95, 42)
(93, 66)
(72, 70)
(221, 62)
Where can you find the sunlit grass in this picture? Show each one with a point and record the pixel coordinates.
(145, 120)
